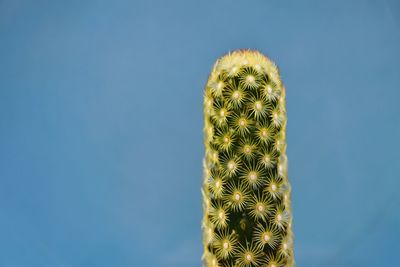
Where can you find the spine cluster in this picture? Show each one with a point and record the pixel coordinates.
(246, 192)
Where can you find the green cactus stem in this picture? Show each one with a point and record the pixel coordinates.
(246, 193)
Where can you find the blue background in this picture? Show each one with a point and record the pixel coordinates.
(101, 140)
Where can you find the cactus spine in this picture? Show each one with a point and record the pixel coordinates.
(246, 192)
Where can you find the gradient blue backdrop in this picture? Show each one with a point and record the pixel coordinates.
(101, 140)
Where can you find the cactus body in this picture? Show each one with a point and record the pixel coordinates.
(246, 193)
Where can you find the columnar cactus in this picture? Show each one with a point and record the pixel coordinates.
(246, 192)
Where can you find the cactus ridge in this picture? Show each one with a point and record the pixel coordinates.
(246, 193)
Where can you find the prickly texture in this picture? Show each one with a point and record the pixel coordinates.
(246, 193)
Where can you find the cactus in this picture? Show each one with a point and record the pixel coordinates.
(246, 193)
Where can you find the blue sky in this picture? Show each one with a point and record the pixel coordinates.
(101, 140)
